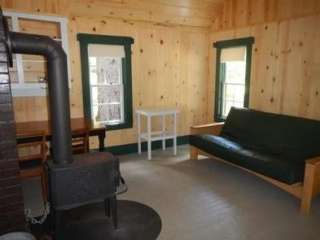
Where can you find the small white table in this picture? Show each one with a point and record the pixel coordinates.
(163, 135)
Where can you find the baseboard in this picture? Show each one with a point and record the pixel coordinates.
(133, 147)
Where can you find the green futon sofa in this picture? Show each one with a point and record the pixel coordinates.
(281, 149)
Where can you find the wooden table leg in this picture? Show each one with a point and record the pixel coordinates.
(101, 137)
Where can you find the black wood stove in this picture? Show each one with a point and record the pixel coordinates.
(74, 180)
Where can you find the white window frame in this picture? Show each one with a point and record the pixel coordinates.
(22, 89)
(225, 85)
(108, 122)
(225, 99)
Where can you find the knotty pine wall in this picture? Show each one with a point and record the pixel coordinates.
(286, 57)
(170, 68)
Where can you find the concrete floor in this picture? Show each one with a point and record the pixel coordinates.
(208, 200)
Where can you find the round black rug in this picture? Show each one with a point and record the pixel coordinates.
(136, 221)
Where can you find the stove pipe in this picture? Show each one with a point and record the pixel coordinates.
(58, 88)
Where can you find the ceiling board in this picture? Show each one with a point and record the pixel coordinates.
(185, 12)
(189, 3)
(196, 13)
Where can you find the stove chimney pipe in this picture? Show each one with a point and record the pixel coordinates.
(57, 85)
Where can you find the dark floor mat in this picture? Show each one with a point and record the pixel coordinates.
(136, 221)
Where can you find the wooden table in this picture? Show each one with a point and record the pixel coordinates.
(76, 124)
(162, 135)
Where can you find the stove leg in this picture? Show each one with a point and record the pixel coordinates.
(114, 212)
(107, 207)
(56, 224)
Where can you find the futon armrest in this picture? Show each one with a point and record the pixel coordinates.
(311, 183)
(211, 128)
(314, 161)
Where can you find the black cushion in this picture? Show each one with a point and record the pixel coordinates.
(267, 164)
(295, 139)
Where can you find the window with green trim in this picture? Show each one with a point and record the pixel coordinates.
(106, 78)
(233, 70)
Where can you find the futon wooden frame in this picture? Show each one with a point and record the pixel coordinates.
(305, 191)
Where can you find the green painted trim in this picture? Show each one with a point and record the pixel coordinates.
(133, 147)
(85, 40)
(234, 42)
(104, 39)
(248, 75)
(85, 80)
(220, 72)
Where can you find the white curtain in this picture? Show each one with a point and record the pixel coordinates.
(103, 50)
(233, 54)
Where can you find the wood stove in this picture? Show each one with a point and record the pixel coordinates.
(74, 180)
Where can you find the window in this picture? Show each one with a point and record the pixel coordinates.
(232, 75)
(28, 74)
(106, 77)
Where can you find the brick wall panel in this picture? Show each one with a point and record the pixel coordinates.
(11, 199)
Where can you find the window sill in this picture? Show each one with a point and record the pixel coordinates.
(118, 126)
(219, 119)
(29, 90)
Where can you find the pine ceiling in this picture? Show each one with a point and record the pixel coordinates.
(198, 13)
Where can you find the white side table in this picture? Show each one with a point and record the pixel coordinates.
(163, 135)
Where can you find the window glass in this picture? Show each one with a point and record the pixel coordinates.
(107, 79)
(28, 74)
(233, 63)
(106, 84)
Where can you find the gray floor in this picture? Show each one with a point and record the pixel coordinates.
(208, 200)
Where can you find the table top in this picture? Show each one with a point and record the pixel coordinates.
(154, 111)
(44, 126)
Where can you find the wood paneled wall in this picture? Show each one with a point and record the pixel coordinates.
(173, 64)
(242, 13)
(285, 72)
(170, 67)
